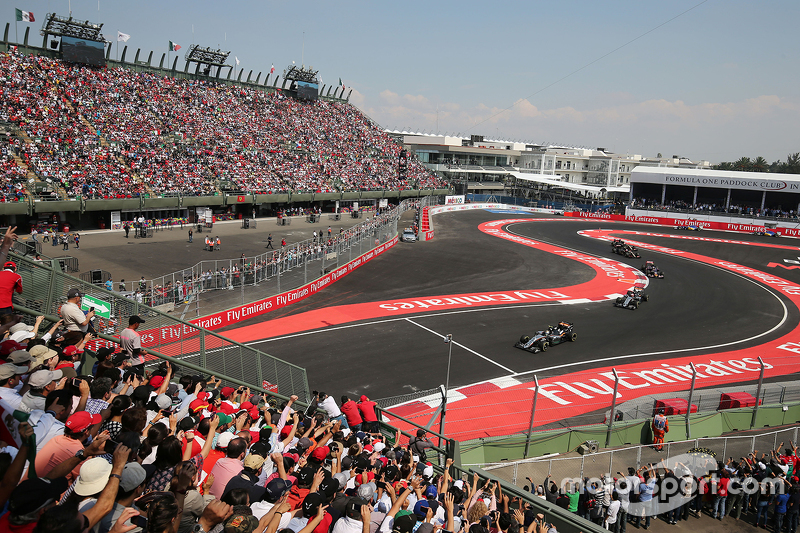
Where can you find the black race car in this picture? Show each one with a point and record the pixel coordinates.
(542, 340)
(632, 299)
(651, 270)
(618, 246)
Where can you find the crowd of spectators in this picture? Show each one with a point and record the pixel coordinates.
(91, 444)
(734, 209)
(115, 133)
(12, 175)
(762, 489)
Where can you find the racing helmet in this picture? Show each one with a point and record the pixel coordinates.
(10, 265)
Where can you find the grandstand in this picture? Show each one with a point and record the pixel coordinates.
(135, 138)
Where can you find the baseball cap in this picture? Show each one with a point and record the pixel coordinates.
(253, 461)
(224, 419)
(41, 378)
(8, 370)
(421, 509)
(198, 405)
(311, 503)
(319, 454)
(223, 439)
(305, 476)
(353, 508)
(187, 423)
(276, 488)
(379, 446)
(342, 478)
(163, 401)
(329, 486)
(19, 356)
(93, 476)
(366, 490)
(430, 492)
(304, 443)
(240, 523)
(72, 293)
(405, 523)
(71, 350)
(156, 382)
(132, 476)
(82, 420)
(8, 346)
(227, 391)
(135, 319)
(32, 494)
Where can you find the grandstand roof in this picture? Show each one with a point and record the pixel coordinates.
(548, 179)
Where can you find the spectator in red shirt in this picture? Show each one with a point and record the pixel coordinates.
(351, 412)
(10, 281)
(367, 409)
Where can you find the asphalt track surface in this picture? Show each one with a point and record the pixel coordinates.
(695, 307)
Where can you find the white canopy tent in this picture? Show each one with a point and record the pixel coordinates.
(553, 182)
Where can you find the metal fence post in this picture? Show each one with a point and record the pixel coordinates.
(516, 468)
(689, 406)
(533, 413)
(758, 392)
(613, 407)
(583, 459)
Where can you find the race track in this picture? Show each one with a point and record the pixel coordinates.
(354, 337)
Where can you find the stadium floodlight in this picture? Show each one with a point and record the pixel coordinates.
(207, 56)
(80, 29)
(307, 75)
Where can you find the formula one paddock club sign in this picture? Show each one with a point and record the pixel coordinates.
(751, 181)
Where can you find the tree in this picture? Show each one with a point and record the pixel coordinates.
(743, 164)
(759, 165)
(793, 163)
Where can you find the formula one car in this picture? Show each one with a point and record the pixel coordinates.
(632, 299)
(690, 227)
(651, 270)
(542, 340)
(767, 233)
(618, 246)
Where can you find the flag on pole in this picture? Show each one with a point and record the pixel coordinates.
(24, 16)
(174, 47)
(122, 37)
(272, 70)
(341, 84)
(237, 60)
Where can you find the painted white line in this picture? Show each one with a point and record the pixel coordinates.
(503, 383)
(613, 296)
(441, 336)
(576, 301)
(434, 400)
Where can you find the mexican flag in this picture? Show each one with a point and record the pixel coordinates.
(341, 84)
(174, 47)
(24, 16)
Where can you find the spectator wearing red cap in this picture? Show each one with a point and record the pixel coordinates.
(367, 410)
(62, 447)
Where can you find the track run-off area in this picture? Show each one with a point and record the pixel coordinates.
(389, 346)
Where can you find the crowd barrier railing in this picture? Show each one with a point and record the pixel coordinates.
(276, 270)
(45, 289)
(609, 462)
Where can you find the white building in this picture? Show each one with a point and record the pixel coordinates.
(488, 167)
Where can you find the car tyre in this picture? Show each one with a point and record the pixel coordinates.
(544, 346)
(573, 337)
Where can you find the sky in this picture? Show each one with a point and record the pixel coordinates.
(705, 79)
